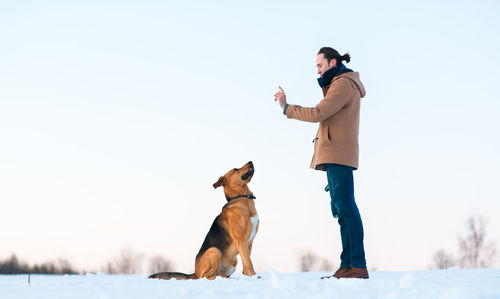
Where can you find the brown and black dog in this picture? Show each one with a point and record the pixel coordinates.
(232, 232)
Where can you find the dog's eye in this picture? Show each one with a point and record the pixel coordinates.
(236, 169)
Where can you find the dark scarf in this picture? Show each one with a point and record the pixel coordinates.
(328, 76)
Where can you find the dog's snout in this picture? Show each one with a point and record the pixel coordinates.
(250, 163)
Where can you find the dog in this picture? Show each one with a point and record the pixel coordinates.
(231, 233)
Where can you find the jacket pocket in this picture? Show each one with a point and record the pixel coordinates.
(324, 135)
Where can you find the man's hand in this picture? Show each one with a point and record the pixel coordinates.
(280, 96)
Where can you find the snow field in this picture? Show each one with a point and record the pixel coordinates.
(450, 284)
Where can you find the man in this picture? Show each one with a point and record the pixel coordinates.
(336, 150)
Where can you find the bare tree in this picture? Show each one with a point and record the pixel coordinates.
(307, 261)
(63, 266)
(475, 252)
(127, 262)
(443, 260)
(326, 265)
(111, 269)
(158, 263)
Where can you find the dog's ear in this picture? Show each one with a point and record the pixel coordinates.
(219, 183)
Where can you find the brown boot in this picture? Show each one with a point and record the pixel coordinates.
(341, 272)
(356, 273)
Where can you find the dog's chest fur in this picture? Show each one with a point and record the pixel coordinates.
(255, 222)
(249, 205)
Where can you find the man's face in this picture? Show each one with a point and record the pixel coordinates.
(323, 65)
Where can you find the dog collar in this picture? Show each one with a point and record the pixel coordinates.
(250, 196)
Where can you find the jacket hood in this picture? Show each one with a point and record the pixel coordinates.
(354, 77)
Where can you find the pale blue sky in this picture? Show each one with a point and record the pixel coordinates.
(117, 116)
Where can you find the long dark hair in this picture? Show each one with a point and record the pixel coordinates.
(331, 53)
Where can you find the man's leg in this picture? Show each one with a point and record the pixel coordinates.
(355, 231)
(345, 256)
(341, 183)
(345, 261)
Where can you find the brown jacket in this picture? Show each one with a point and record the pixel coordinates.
(338, 117)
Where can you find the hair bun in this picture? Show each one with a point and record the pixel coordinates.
(346, 57)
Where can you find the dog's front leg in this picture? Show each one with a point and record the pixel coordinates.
(244, 252)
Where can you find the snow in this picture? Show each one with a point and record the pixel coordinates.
(453, 283)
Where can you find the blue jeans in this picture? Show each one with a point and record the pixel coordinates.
(341, 185)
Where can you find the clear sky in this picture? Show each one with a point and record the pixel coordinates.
(116, 117)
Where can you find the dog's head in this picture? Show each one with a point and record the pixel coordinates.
(235, 180)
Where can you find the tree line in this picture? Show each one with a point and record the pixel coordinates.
(13, 265)
(127, 261)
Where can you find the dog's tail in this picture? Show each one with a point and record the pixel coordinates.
(176, 275)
